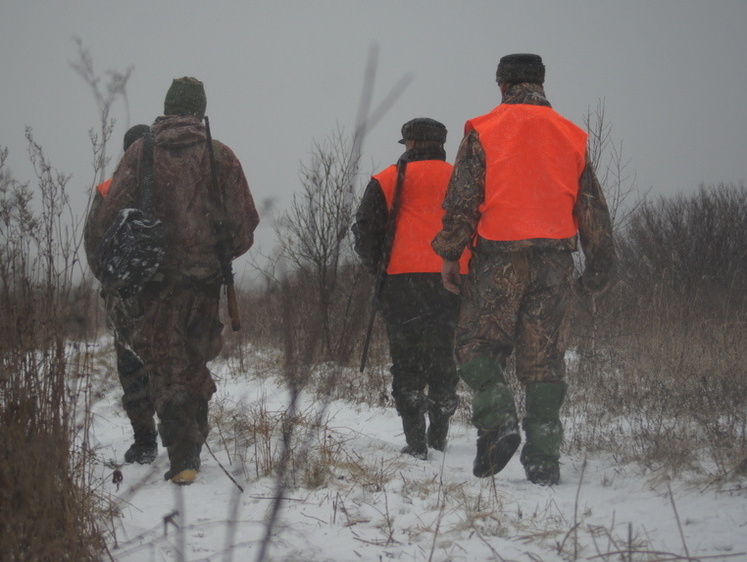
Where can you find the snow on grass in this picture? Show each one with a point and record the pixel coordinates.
(370, 502)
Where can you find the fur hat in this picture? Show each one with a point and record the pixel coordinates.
(424, 129)
(134, 133)
(186, 96)
(520, 67)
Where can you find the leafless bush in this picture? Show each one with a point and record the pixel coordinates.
(612, 167)
(690, 245)
(316, 247)
(46, 507)
(667, 386)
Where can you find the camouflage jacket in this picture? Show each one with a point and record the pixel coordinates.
(181, 197)
(466, 192)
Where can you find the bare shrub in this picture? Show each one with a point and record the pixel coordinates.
(668, 386)
(315, 245)
(46, 507)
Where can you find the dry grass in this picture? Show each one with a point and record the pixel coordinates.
(659, 376)
(47, 508)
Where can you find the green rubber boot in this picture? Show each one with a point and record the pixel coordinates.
(493, 414)
(544, 432)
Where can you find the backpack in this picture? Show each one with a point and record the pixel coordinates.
(132, 249)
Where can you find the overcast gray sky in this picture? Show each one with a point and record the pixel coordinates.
(281, 74)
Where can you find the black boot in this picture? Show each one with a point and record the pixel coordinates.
(411, 406)
(438, 431)
(414, 426)
(181, 435)
(137, 405)
(145, 448)
(547, 475)
(185, 463)
(439, 413)
(495, 448)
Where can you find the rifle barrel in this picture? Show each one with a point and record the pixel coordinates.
(225, 253)
(385, 255)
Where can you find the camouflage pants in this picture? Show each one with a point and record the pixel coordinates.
(178, 332)
(420, 317)
(518, 302)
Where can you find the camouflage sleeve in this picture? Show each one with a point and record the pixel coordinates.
(238, 201)
(369, 229)
(595, 231)
(464, 196)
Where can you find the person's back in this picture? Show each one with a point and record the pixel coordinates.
(182, 198)
(521, 192)
(179, 330)
(419, 314)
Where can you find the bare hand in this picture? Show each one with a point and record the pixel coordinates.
(450, 276)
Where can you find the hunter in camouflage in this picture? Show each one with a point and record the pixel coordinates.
(120, 320)
(177, 328)
(517, 295)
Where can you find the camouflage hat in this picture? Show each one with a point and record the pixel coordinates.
(520, 67)
(186, 96)
(134, 133)
(423, 129)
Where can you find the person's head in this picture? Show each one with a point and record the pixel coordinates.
(520, 68)
(134, 133)
(186, 96)
(423, 131)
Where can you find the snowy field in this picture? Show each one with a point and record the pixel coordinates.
(377, 504)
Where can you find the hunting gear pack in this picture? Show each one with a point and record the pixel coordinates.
(133, 246)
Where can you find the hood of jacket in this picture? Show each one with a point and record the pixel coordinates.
(179, 131)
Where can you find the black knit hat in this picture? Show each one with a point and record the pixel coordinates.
(423, 129)
(520, 67)
(134, 133)
(186, 96)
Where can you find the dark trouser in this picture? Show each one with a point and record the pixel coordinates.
(136, 392)
(121, 316)
(177, 334)
(420, 317)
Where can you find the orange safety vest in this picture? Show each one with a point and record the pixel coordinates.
(534, 158)
(103, 188)
(419, 216)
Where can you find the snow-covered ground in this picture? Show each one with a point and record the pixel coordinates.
(378, 504)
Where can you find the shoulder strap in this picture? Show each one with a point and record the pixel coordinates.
(394, 212)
